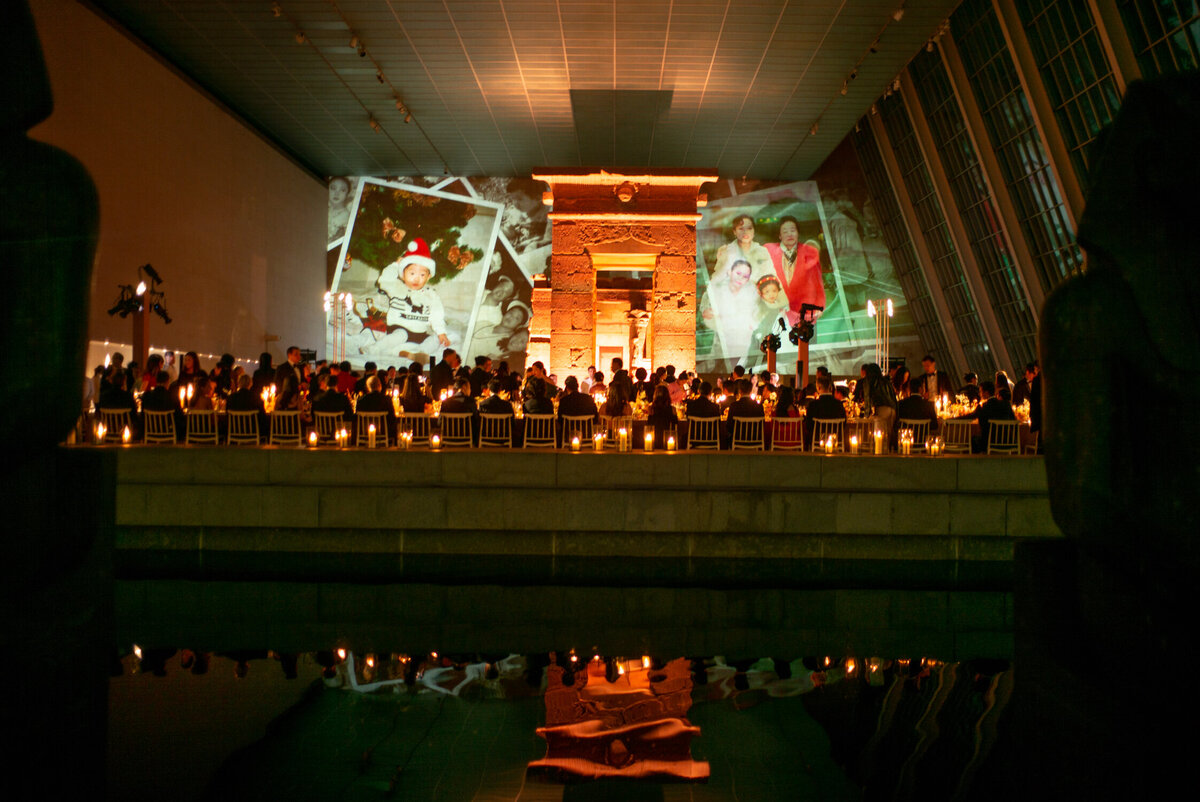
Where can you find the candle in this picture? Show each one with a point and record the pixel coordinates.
(906, 439)
(649, 442)
(371, 436)
(670, 443)
(101, 430)
(190, 389)
(182, 397)
(575, 443)
(406, 440)
(853, 444)
(312, 439)
(126, 436)
(343, 438)
(622, 439)
(435, 441)
(598, 441)
(878, 441)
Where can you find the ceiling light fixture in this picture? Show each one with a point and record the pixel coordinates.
(354, 42)
(896, 84)
(371, 121)
(277, 9)
(813, 131)
(300, 37)
(379, 76)
(845, 87)
(407, 116)
(929, 46)
(898, 14)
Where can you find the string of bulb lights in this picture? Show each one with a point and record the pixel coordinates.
(357, 44)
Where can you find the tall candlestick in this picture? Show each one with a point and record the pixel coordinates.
(878, 441)
(649, 442)
(371, 435)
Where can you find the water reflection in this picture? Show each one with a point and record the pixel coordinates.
(562, 726)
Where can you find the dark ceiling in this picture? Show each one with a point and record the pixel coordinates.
(500, 87)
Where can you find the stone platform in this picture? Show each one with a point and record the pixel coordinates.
(696, 553)
(457, 507)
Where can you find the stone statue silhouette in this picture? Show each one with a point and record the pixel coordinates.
(48, 232)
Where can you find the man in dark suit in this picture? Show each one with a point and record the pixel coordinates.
(743, 406)
(970, 387)
(934, 383)
(1021, 390)
(914, 407)
(461, 401)
(823, 406)
(289, 368)
(573, 402)
(703, 406)
(991, 409)
(370, 369)
(441, 375)
(481, 375)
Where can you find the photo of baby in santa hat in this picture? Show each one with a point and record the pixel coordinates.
(414, 311)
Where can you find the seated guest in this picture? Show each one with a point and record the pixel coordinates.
(536, 403)
(822, 406)
(662, 416)
(159, 399)
(743, 406)
(702, 406)
(641, 388)
(598, 385)
(970, 387)
(329, 400)
(765, 387)
(115, 396)
(785, 408)
(154, 364)
(203, 399)
(346, 379)
(289, 394)
(461, 400)
(914, 407)
(785, 403)
(494, 404)
(243, 398)
(678, 388)
(413, 399)
(617, 403)
(991, 409)
(375, 400)
(573, 402)
(265, 375)
(1003, 386)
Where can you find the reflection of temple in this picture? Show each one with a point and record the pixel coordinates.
(632, 724)
(623, 267)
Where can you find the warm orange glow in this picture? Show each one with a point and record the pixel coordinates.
(341, 653)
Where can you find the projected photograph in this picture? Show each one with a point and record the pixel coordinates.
(762, 256)
(416, 262)
(342, 190)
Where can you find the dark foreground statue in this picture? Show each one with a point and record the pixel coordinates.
(56, 579)
(1105, 621)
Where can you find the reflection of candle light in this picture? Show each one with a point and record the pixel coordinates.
(183, 396)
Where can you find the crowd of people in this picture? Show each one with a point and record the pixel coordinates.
(662, 397)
